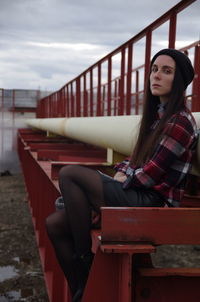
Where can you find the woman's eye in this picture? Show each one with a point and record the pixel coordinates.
(154, 69)
(167, 71)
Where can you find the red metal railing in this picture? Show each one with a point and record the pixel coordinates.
(122, 94)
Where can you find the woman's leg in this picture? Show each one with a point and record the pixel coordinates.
(82, 191)
(59, 233)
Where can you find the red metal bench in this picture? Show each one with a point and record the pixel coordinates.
(120, 272)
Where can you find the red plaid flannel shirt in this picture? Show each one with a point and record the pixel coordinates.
(166, 170)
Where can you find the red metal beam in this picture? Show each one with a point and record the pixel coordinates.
(196, 82)
(172, 30)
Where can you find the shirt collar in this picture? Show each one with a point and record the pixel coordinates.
(161, 109)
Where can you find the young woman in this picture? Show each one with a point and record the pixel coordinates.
(154, 176)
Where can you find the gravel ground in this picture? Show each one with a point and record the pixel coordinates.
(21, 277)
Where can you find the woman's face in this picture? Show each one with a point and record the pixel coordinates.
(162, 76)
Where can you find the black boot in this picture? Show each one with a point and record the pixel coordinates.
(83, 265)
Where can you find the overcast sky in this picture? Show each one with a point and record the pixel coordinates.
(45, 43)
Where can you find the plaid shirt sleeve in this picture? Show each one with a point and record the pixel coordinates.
(178, 137)
(122, 167)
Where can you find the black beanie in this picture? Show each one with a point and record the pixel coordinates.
(183, 62)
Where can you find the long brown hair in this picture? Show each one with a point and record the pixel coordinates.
(148, 139)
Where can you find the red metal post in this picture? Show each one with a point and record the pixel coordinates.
(53, 104)
(50, 104)
(137, 92)
(147, 55)
(72, 100)
(116, 97)
(2, 121)
(78, 96)
(56, 104)
(129, 79)
(59, 103)
(99, 91)
(91, 92)
(13, 119)
(64, 102)
(67, 101)
(109, 85)
(172, 30)
(61, 106)
(85, 96)
(121, 91)
(196, 82)
(103, 100)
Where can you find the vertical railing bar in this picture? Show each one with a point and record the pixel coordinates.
(109, 85)
(196, 85)
(85, 100)
(68, 101)
(118, 97)
(137, 92)
(103, 100)
(172, 30)
(91, 92)
(121, 92)
(115, 99)
(78, 96)
(99, 91)
(129, 79)
(147, 55)
(72, 99)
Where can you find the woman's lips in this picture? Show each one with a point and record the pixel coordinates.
(156, 85)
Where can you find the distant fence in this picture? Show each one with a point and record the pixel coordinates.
(16, 105)
(114, 85)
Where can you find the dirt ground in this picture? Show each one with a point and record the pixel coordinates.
(21, 277)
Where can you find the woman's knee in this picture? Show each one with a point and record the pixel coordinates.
(55, 224)
(68, 172)
(50, 225)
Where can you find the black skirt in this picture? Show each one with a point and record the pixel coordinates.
(116, 196)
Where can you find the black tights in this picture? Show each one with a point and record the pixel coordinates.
(69, 229)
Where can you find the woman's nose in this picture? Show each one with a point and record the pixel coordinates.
(157, 74)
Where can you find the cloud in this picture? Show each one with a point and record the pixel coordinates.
(48, 42)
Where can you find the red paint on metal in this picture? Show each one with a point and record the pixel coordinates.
(99, 91)
(147, 55)
(153, 225)
(78, 97)
(109, 85)
(91, 93)
(167, 289)
(172, 30)
(129, 79)
(137, 97)
(196, 82)
(120, 246)
(121, 83)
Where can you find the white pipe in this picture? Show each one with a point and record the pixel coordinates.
(118, 132)
(115, 132)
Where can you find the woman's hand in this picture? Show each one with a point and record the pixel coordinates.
(120, 176)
